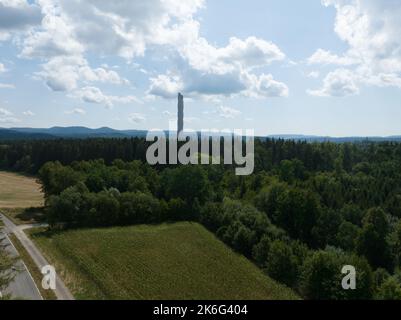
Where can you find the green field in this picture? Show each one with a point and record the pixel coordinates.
(170, 261)
(18, 191)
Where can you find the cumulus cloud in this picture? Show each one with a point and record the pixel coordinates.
(126, 27)
(371, 30)
(7, 116)
(339, 83)
(265, 86)
(313, 74)
(63, 73)
(246, 54)
(28, 113)
(206, 70)
(5, 112)
(7, 86)
(326, 57)
(76, 111)
(2, 68)
(166, 86)
(95, 95)
(71, 29)
(136, 117)
(17, 15)
(228, 113)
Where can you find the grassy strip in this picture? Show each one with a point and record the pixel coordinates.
(33, 269)
(20, 216)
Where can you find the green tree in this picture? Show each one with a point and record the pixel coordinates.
(372, 240)
(346, 236)
(389, 290)
(186, 182)
(281, 263)
(326, 228)
(55, 178)
(297, 213)
(321, 277)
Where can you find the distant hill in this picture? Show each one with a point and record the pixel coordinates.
(7, 134)
(105, 132)
(67, 132)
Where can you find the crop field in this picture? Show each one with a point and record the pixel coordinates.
(169, 261)
(18, 191)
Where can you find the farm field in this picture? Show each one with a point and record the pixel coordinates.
(18, 191)
(169, 261)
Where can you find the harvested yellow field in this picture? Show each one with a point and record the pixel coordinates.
(18, 191)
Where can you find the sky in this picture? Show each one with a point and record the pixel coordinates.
(315, 67)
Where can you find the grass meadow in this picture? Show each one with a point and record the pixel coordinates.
(169, 261)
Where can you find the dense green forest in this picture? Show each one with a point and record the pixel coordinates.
(308, 210)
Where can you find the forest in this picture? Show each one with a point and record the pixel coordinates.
(308, 209)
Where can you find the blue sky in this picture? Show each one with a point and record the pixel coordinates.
(330, 67)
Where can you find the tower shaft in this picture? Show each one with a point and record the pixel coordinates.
(180, 124)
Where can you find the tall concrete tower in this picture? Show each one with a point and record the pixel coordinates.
(180, 124)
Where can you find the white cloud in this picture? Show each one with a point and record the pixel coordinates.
(208, 71)
(5, 112)
(371, 29)
(65, 72)
(244, 54)
(95, 95)
(7, 86)
(313, 74)
(228, 113)
(28, 113)
(70, 30)
(265, 86)
(126, 27)
(136, 117)
(101, 75)
(17, 15)
(230, 82)
(2, 68)
(76, 111)
(7, 116)
(339, 83)
(166, 86)
(326, 57)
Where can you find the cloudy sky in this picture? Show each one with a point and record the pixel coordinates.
(324, 67)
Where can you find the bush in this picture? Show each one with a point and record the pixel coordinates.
(261, 250)
(321, 277)
(140, 208)
(281, 263)
(211, 216)
(389, 290)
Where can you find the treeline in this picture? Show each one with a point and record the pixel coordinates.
(300, 221)
(30, 156)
